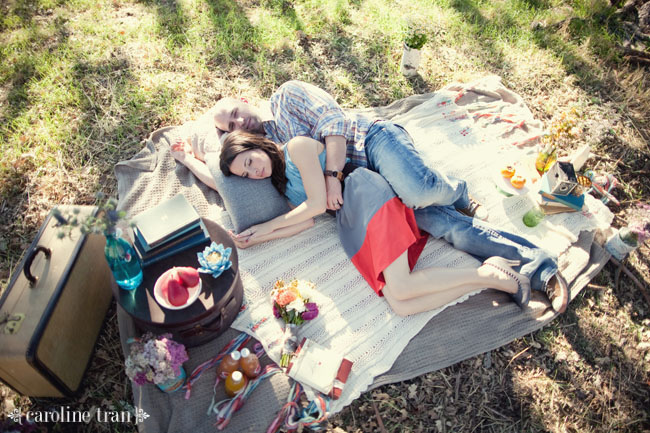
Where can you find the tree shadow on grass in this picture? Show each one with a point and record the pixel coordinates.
(25, 10)
(117, 112)
(484, 31)
(172, 20)
(24, 71)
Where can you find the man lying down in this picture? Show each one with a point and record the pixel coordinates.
(386, 199)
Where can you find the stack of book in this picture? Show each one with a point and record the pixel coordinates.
(555, 203)
(167, 229)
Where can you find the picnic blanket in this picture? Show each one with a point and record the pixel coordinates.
(463, 129)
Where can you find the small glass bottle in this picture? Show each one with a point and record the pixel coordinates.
(534, 216)
(228, 364)
(122, 260)
(249, 364)
(235, 382)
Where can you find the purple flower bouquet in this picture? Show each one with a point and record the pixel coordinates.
(154, 359)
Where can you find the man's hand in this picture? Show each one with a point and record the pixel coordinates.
(334, 194)
(335, 160)
(181, 150)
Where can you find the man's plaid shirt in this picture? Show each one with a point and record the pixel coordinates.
(303, 109)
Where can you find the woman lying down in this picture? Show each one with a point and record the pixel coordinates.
(382, 236)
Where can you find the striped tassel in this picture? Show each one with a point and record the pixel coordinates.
(292, 416)
(226, 408)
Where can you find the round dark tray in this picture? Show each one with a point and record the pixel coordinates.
(195, 323)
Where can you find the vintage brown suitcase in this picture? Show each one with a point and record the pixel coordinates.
(210, 315)
(52, 311)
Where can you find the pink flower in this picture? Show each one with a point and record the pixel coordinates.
(140, 378)
(312, 311)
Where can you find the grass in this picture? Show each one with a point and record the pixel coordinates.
(83, 82)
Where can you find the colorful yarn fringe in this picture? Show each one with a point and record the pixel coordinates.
(292, 416)
(240, 341)
(226, 408)
(603, 184)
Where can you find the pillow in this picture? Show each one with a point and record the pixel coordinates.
(248, 201)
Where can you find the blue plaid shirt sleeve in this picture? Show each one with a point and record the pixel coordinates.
(303, 109)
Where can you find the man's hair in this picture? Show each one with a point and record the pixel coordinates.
(239, 141)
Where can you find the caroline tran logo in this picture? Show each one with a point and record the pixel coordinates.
(66, 415)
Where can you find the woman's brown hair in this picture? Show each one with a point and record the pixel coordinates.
(238, 142)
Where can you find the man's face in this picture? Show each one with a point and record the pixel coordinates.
(232, 115)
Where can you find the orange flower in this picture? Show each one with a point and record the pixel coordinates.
(285, 297)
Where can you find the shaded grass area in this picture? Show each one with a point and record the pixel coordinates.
(83, 82)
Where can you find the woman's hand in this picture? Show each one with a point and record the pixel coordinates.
(251, 236)
(256, 232)
(241, 241)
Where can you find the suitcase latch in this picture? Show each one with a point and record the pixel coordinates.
(12, 322)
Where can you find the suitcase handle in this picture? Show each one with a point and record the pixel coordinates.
(30, 259)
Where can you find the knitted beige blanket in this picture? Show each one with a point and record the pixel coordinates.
(464, 130)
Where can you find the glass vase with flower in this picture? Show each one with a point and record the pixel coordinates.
(629, 238)
(415, 36)
(120, 254)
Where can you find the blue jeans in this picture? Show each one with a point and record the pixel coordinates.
(391, 153)
(482, 241)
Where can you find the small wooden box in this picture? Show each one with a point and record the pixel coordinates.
(52, 311)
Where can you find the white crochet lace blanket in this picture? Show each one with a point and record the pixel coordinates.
(464, 130)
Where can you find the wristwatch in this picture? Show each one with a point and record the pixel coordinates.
(336, 174)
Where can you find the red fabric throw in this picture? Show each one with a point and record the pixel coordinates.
(391, 231)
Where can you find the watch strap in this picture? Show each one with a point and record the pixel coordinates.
(334, 173)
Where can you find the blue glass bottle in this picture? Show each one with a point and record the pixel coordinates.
(122, 260)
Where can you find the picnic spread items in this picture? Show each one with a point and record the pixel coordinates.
(462, 128)
(216, 300)
(52, 310)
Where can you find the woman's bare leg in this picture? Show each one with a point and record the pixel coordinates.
(426, 289)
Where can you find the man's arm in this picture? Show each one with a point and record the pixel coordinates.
(182, 152)
(335, 149)
(321, 118)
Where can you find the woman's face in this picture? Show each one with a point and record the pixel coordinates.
(254, 164)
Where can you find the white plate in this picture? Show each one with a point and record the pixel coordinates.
(194, 293)
(503, 183)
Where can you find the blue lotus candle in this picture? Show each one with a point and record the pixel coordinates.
(214, 259)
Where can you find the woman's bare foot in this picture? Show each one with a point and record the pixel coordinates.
(498, 278)
(509, 280)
